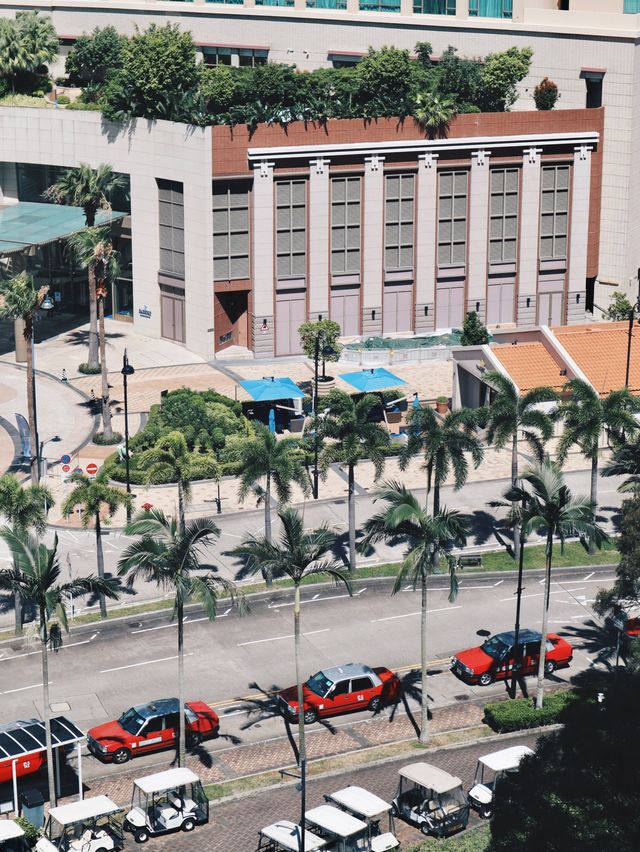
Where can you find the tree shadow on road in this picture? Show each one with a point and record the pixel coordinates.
(119, 586)
(483, 526)
(411, 688)
(597, 640)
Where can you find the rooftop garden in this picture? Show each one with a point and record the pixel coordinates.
(158, 74)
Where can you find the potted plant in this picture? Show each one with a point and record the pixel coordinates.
(320, 342)
(442, 404)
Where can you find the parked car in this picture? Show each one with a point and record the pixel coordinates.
(340, 689)
(431, 799)
(490, 771)
(151, 727)
(168, 801)
(494, 659)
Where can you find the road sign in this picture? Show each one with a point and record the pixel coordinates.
(78, 470)
(66, 459)
(92, 469)
(65, 468)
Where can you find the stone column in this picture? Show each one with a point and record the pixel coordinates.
(319, 201)
(373, 227)
(529, 237)
(579, 235)
(262, 237)
(198, 256)
(145, 253)
(478, 234)
(426, 241)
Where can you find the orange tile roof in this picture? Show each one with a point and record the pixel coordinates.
(600, 351)
(530, 365)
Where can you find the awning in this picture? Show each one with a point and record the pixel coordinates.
(375, 379)
(29, 223)
(271, 388)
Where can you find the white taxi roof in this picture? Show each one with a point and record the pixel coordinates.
(287, 834)
(430, 777)
(161, 781)
(335, 821)
(506, 758)
(360, 801)
(10, 829)
(86, 809)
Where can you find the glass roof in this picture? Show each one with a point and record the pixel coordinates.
(31, 224)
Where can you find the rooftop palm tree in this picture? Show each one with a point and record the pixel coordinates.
(26, 43)
(510, 415)
(95, 496)
(297, 555)
(625, 461)
(586, 416)
(172, 557)
(352, 437)
(35, 577)
(426, 536)
(20, 300)
(545, 504)
(433, 113)
(94, 251)
(91, 189)
(25, 509)
(170, 454)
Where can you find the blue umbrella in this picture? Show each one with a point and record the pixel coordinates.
(375, 379)
(272, 420)
(271, 388)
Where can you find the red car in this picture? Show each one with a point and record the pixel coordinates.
(494, 659)
(151, 727)
(353, 686)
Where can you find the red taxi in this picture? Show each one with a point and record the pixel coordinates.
(340, 689)
(151, 727)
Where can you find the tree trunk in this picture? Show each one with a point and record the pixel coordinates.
(545, 619)
(17, 608)
(514, 482)
(107, 431)
(436, 509)
(47, 709)
(182, 739)
(594, 494)
(267, 523)
(352, 518)
(31, 403)
(100, 555)
(181, 520)
(93, 319)
(302, 751)
(424, 708)
(429, 475)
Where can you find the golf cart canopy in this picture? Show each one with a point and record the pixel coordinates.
(430, 777)
(288, 835)
(87, 809)
(336, 822)
(9, 830)
(507, 758)
(361, 802)
(169, 780)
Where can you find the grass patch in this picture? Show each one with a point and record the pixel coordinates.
(534, 557)
(473, 840)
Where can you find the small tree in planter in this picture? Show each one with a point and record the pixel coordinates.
(545, 94)
(442, 404)
(324, 334)
(474, 333)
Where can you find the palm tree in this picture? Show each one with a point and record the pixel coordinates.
(170, 455)
(444, 442)
(625, 461)
(91, 189)
(586, 416)
(26, 43)
(25, 509)
(96, 496)
(277, 462)
(172, 557)
(35, 577)
(433, 113)
(20, 300)
(352, 437)
(547, 505)
(94, 252)
(426, 536)
(297, 555)
(511, 414)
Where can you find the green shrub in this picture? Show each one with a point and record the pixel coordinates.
(25, 101)
(87, 370)
(473, 840)
(31, 832)
(63, 99)
(78, 104)
(100, 439)
(506, 716)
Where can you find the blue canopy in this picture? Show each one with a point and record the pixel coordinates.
(375, 379)
(272, 388)
(30, 223)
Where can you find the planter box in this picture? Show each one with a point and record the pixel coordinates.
(325, 387)
(296, 425)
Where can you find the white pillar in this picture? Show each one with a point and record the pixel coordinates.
(373, 225)
(262, 236)
(198, 259)
(529, 237)
(319, 239)
(79, 761)
(145, 253)
(426, 236)
(14, 779)
(579, 234)
(478, 234)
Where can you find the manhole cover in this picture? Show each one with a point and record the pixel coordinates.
(60, 707)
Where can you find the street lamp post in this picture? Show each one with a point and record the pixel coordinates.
(127, 370)
(326, 352)
(41, 446)
(632, 314)
(47, 305)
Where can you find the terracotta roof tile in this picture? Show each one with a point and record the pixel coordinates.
(530, 365)
(600, 351)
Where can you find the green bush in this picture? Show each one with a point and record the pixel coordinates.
(87, 370)
(78, 104)
(99, 438)
(473, 840)
(31, 832)
(63, 99)
(506, 716)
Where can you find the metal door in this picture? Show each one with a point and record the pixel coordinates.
(550, 308)
(500, 302)
(397, 310)
(290, 314)
(345, 310)
(172, 317)
(449, 307)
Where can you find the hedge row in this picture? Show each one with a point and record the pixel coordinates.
(506, 716)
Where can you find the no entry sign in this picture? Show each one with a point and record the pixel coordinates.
(92, 469)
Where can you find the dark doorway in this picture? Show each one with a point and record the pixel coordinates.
(231, 319)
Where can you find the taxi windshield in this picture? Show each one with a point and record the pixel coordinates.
(495, 648)
(319, 683)
(131, 721)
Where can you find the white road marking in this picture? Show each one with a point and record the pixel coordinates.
(31, 653)
(407, 614)
(175, 623)
(316, 599)
(231, 535)
(145, 663)
(22, 688)
(69, 535)
(589, 575)
(499, 582)
(276, 638)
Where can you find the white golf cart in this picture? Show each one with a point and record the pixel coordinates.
(490, 770)
(92, 825)
(167, 801)
(285, 836)
(342, 832)
(371, 809)
(431, 799)
(12, 837)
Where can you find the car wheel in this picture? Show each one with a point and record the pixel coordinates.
(485, 679)
(122, 755)
(141, 835)
(188, 824)
(374, 704)
(549, 667)
(194, 739)
(310, 716)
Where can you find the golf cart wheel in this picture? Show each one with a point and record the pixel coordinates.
(374, 704)
(394, 810)
(122, 755)
(310, 716)
(194, 739)
(141, 835)
(549, 667)
(485, 679)
(188, 824)
(425, 828)
(486, 813)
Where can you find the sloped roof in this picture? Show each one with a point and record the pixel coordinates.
(530, 365)
(600, 351)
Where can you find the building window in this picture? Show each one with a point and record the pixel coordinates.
(490, 8)
(503, 233)
(434, 7)
(249, 58)
(291, 228)
(379, 5)
(217, 55)
(230, 232)
(631, 7)
(326, 4)
(345, 225)
(554, 212)
(398, 229)
(452, 219)
(227, 2)
(274, 2)
(171, 201)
